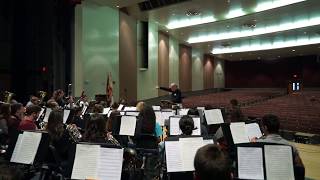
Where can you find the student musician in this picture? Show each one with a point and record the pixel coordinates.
(96, 131)
(271, 125)
(186, 125)
(34, 100)
(176, 96)
(195, 112)
(61, 139)
(211, 162)
(235, 113)
(28, 122)
(5, 112)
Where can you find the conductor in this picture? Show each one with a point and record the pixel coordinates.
(175, 93)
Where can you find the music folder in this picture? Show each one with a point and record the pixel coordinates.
(30, 147)
(213, 116)
(128, 125)
(97, 161)
(180, 154)
(265, 161)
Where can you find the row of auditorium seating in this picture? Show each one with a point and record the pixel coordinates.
(244, 96)
(297, 112)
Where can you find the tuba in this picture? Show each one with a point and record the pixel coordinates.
(8, 96)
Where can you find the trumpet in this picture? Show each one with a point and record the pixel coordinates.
(8, 96)
(112, 140)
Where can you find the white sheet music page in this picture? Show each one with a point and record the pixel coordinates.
(201, 108)
(238, 132)
(159, 118)
(120, 107)
(156, 108)
(110, 164)
(28, 147)
(132, 113)
(85, 164)
(253, 130)
(106, 110)
(130, 108)
(167, 114)
(213, 116)
(66, 114)
(279, 162)
(183, 112)
(84, 109)
(197, 125)
(41, 112)
(188, 148)
(208, 141)
(173, 156)
(16, 149)
(128, 125)
(250, 163)
(174, 126)
(46, 116)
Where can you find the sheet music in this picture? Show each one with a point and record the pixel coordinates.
(208, 141)
(84, 109)
(128, 125)
(188, 148)
(110, 164)
(46, 117)
(130, 108)
(183, 112)
(132, 113)
(86, 162)
(159, 118)
(279, 162)
(109, 113)
(122, 113)
(120, 107)
(213, 116)
(173, 156)
(156, 108)
(41, 112)
(27, 147)
(253, 130)
(238, 132)
(201, 108)
(250, 163)
(219, 133)
(106, 110)
(174, 126)
(16, 149)
(197, 125)
(167, 114)
(66, 114)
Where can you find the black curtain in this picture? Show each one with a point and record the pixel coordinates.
(40, 45)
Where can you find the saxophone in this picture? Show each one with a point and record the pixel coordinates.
(74, 133)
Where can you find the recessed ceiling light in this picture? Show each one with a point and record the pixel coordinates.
(167, 31)
(117, 6)
(259, 58)
(293, 50)
(304, 32)
(230, 55)
(279, 56)
(217, 36)
(173, 14)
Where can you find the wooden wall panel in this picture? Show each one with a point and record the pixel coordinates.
(163, 62)
(185, 71)
(208, 72)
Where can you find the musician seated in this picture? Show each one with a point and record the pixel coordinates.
(5, 112)
(28, 122)
(235, 114)
(211, 162)
(78, 120)
(51, 103)
(60, 139)
(195, 112)
(34, 100)
(58, 96)
(271, 125)
(146, 125)
(186, 125)
(96, 131)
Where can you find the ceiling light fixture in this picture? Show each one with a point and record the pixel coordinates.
(185, 22)
(267, 46)
(117, 6)
(257, 31)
